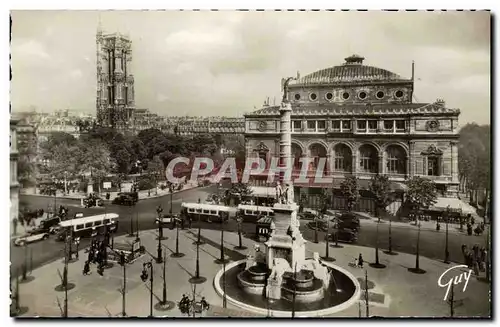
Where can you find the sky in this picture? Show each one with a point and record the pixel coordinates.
(227, 63)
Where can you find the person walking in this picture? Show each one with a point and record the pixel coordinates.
(86, 268)
(360, 261)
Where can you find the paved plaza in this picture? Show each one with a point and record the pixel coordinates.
(394, 290)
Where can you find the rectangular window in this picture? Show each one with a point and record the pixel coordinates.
(311, 124)
(346, 125)
(336, 125)
(388, 125)
(88, 225)
(433, 166)
(321, 124)
(361, 125)
(78, 227)
(339, 163)
(297, 125)
(213, 212)
(400, 125)
(97, 223)
(106, 221)
(372, 125)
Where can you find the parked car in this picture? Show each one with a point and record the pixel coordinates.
(349, 220)
(345, 235)
(93, 201)
(31, 237)
(125, 199)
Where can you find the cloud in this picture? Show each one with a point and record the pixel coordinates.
(225, 63)
(29, 49)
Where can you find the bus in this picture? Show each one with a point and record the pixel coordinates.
(251, 213)
(87, 226)
(205, 212)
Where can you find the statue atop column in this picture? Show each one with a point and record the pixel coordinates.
(284, 86)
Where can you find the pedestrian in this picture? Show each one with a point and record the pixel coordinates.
(204, 304)
(190, 221)
(86, 268)
(360, 261)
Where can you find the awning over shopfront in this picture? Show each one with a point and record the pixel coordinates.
(455, 204)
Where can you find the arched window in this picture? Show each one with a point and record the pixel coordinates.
(297, 154)
(343, 158)
(317, 152)
(368, 159)
(396, 160)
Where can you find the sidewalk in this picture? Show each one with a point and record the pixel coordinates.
(142, 194)
(396, 292)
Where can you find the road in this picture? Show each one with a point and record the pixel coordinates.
(43, 252)
(432, 243)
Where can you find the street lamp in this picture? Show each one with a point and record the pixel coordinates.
(177, 254)
(164, 304)
(417, 269)
(222, 259)
(199, 241)
(197, 279)
(446, 251)
(144, 278)
(327, 244)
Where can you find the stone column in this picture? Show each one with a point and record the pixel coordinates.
(454, 161)
(411, 160)
(355, 163)
(381, 163)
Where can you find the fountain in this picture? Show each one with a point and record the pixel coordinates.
(281, 279)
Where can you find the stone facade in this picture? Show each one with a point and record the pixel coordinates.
(115, 83)
(362, 121)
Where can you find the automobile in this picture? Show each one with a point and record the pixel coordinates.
(126, 198)
(345, 235)
(349, 219)
(47, 224)
(167, 220)
(31, 237)
(93, 201)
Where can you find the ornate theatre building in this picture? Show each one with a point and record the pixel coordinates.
(362, 120)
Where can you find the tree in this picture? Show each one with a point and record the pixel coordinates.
(93, 157)
(474, 151)
(350, 191)
(380, 188)
(155, 170)
(240, 190)
(421, 193)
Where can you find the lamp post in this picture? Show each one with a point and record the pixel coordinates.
(197, 279)
(171, 190)
(199, 241)
(177, 254)
(123, 263)
(446, 251)
(164, 304)
(417, 269)
(222, 259)
(137, 239)
(144, 278)
(327, 244)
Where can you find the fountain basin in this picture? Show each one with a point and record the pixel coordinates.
(255, 301)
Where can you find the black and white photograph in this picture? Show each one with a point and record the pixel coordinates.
(250, 164)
